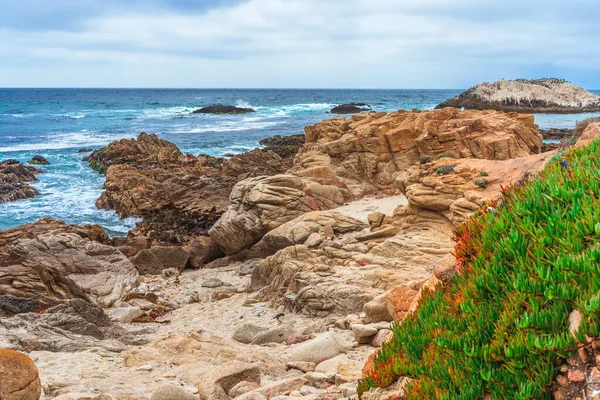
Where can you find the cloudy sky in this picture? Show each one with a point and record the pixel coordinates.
(296, 43)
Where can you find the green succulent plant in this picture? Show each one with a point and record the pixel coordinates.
(501, 326)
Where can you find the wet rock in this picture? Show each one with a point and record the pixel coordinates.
(284, 146)
(86, 150)
(14, 181)
(39, 160)
(350, 108)
(223, 109)
(19, 377)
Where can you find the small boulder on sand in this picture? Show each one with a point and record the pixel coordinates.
(19, 377)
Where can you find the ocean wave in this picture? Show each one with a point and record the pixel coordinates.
(225, 126)
(66, 141)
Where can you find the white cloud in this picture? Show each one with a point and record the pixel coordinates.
(309, 43)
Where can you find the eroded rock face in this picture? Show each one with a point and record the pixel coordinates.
(532, 96)
(261, 204)
(64, 266)
(19, 377)
(71, 326)
(178, 196)
(457, 188)
(14, 181)
(368, 151)
(341, 276)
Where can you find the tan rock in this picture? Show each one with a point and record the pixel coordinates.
(259, 205)
(368, 151)
(19, 377)
(64, 266)
(591, 133)
(216, 384)
(376, 310)
(157, 259)
(399, 301)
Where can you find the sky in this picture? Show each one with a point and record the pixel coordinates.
(296, 43)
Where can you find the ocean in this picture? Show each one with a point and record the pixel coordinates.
(56, 123)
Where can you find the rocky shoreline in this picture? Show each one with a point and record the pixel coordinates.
(273, 274)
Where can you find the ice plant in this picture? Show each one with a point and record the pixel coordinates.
(501, 326)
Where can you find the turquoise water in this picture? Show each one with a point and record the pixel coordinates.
(56, 123)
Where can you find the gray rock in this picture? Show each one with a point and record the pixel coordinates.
(156, 259)
(242, 388)
(126, 314)
(212, 283)
(275, 335)
(363, 333)
(171, 392)
(246, 333)
(377, 310)
(319, 349)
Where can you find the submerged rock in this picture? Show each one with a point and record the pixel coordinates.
(224, 109)
(350, 108)
(548, 95)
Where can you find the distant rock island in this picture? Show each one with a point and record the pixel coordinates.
(350, 108)
(223, 109)
(547, 95)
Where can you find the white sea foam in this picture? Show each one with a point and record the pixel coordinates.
(66, 141)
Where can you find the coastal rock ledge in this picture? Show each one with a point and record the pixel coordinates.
(548, 95)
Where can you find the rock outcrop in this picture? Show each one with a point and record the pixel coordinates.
(19, 377)
(177, 195)
(285, 146)
(456, 188)
(223, 109)
(72, 326)
(350, 108)
(532, 96)
(367, 151)
(14, 181)
(39, 160)
(261, 204)
(64, 266)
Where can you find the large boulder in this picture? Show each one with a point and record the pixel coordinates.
(156, 259)
(523, 95)
(14, 181)
(591, 133)
(368, 151)
(19, 377)
(261, 204)
(65, 266)
(314, 225)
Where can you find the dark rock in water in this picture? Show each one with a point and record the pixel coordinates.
(286, 146)
(555, 138)
(350, 108)
(548, 95)
(39, 160)
(14, 179)
(85, 150)
(223, 109)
